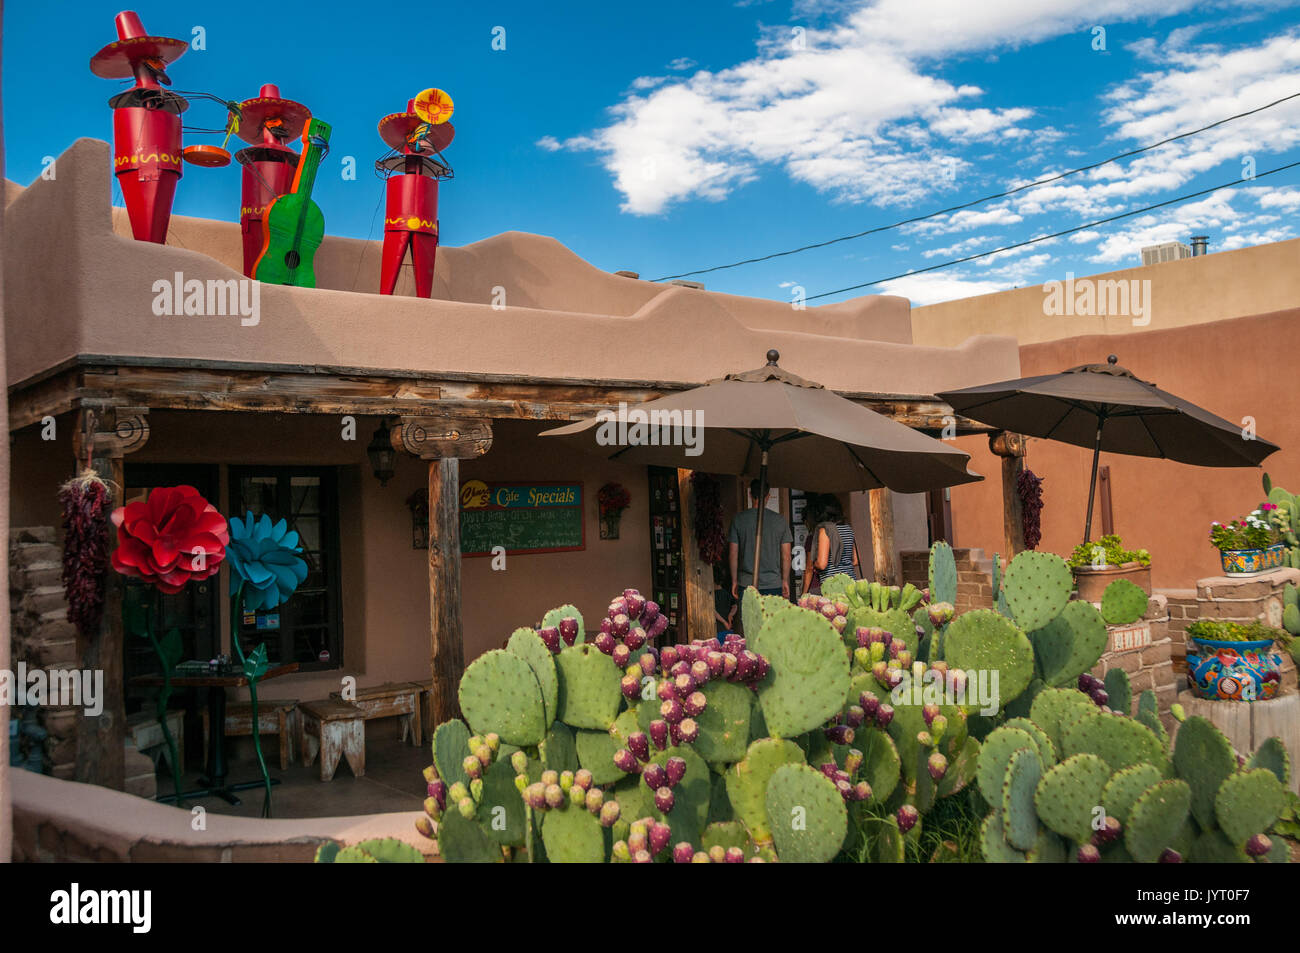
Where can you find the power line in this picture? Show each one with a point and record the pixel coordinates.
(1067, 231)
(980, 201)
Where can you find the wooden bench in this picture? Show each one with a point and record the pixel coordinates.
(426, 706)
(392, 700)
(333, 729)
(144, 732)
(275, 717)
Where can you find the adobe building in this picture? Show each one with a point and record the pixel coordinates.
(276, 411)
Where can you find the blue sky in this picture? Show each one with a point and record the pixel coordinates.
(674, 136)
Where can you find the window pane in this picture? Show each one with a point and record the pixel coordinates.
(308, 528)
(305, 494)
(258, 494)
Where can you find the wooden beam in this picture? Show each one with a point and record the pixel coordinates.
(1011, 448)
(883, 550)
(696, 573)
(446, 627)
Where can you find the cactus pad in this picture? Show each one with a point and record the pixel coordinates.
(724, 724)
(751, 613)
(1046, 750)
(994, 843)
(501, 812)
(1119, 691)
(500, 693)
(995, 757)
(589, 694)
(894, 621)
(1123, 603)
(596, 754)
(450, 745)
(809, 674)
(1272, 754)
(981, 641)
(1037, 587)
(1126, 786)
(462, 841)
(962, 765)
(1054, 708)
(528, 645)
(573, 835)
(1069, 644)
(1156, 820)
(1070, 793)
(1213, 847)
(1019, 819)
(725, 834)
(943, 573)
(692, 794)
(553, 618)
(880, 763)
(1117, 740)
(747, 783)
(1203, 757)
(559, 749)
(807, 814)
(1248, 803)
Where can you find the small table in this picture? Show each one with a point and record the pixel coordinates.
(215, 783)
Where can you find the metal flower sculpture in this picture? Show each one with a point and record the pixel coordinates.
(171, 538)
(265, 569)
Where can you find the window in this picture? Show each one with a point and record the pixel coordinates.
(308, 628)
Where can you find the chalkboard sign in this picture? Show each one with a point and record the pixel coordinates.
(522, 517)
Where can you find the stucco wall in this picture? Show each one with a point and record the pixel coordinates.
(1235, 369)
(562, 319)
(6, 828)
(1212, 287)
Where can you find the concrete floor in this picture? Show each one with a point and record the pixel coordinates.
(393, 779)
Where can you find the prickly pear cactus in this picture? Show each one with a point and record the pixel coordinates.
(984, 641)
(1037, 585)
(1069, 644)
(1156, 819)
(808, 816)
(383, 850)
(500, 693)
(809, 671)
(1123, 603)
(943, 573)
(588, 691)
(1069, 792)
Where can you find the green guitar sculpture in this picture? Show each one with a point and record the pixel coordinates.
(293, 223)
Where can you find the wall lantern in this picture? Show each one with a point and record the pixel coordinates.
(382, 455)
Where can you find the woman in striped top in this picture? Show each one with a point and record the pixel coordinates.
(837, 551)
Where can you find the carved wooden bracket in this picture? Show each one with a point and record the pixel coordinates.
(1007, 444)
(110, 431)
(432, 438)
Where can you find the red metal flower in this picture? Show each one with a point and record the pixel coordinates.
(171, 538)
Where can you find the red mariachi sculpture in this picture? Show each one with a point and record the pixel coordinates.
(268, 122)
(411, 212)
(146, 124)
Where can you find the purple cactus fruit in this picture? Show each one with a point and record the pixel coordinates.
(569, 630)
(869, 703)
(735, 855)
(828, 610)
(855, 716)
(625, 761)
(664, 799)
(675, 768)
(686, 730)
(863, 636)
(1259, 845)
(635, 603)
(683, 852)
(621, 626)
(680, 667)
(631, 687)
(438, 791)
(897, 647)
(617, 606)
(550, 776)
(937, 765)
(701, 671)
(621, 655)
(760, 669)
(605, 643)
(717, 854)
(840, 734)
(675, 734)
(880, 672)
(638, 839)
(746, 664)
(555, 795)
(695, 703)
(635, 638)
(609, 812)
(551, 636)
(667, 690)
(685, 684)
(649, 612)
(659, 733)
(672, 711)
(940, 666)
(594, 800)
(1100, 696)
(535, 796)
(639, 744)
(715, 661)
(928, 712)
(1170, 856)
(862, 791)
(845, 789)
(884, 715)
(660, 835)
(730, 663)
(919, 630)
(839, 622)
(1108, 833)
(658, 627)
(668, 657)
(907, 816)
(647, 662)
(1088, 854)
(582, 778)
(828, 768)
(655, 775)
(905, 659)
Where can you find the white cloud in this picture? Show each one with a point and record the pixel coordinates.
(934, 287)
(681, 63)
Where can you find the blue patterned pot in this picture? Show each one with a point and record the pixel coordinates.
(1233, 671)
(1238, 562)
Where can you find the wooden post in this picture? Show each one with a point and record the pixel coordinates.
(697, 574)
(104, 434)
(1011, 448)
(444, 442)
(884, 553)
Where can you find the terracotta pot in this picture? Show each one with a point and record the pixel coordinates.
(1091, 583)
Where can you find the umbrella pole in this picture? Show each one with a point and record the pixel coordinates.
(1092, 484)
(758, 523)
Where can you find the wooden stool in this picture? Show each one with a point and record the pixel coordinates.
(273, 714)
(426, 706)
(392, 699)
(143, 730)
(333, 729)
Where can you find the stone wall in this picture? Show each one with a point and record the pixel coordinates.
(1183, 610)
(974, 576)
(1144, 651)
(1247, 598)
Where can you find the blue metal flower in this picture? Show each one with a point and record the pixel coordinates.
(263, 558)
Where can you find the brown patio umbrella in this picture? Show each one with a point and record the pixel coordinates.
(1103, 406)
(790, 431)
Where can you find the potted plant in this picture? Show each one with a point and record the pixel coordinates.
(1098, 563)
(1249, 545)
(1233, 661)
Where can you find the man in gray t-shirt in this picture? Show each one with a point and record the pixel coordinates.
(774, 564)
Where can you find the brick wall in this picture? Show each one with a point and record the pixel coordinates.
(1183, 610)
(1149, 665)
(974, 575)
(1245, 599)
